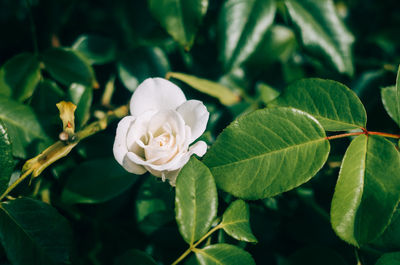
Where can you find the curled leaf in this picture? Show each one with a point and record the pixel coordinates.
(67, 115)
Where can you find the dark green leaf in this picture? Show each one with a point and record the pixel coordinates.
(97, 181)
(223, 254)
(267, 152)
(322, 32)
(34, 233)
(195, 201)
(235, 222)
(242, 26)
(333, 104)
(389, 259)
(97, 49)
(366, 193)
(24, 129)
(139, 64)
(136, 257)
(224, 94)
(390, 100)
(316, 256)
(6, 159)
(390, 239)
(19, 76)
(45, 98)
(67, 67)
(154, 205)
(180, 18)
(82, 97)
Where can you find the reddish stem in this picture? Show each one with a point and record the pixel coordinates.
(397, 136)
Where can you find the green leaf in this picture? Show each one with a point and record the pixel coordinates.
(389, 259)
(322, 32)
(180, 18)
(45, 98)
(267, 93)
(366, 193)
(136, 257)
(97, 49)
(24, 129)
(196, 200)
(333, 104)
(390, 239)
(398, 92)
(154, 205)
(137, 65)
(34, 233)
(97, 181)
(67, 67)
(235, 222)
(6, 158)
(19, 76)
(267, 152)
(390, 102)
(223, 254)
(242, 26)
(82, 97)
(222, 93)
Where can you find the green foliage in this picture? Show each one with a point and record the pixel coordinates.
(249, 20)
(235, 222)
(223, 254)
(97, 181)
(389, 259)
(67, 67)
(23, 127)
(369, 173)
(35, 229)
(196, 200)
(279, 149)
(334, 105)
(82, 97)
(322, 32)
(389, 100)
(97, 49)
(6, 158)
(180, 18)
(19, 76)
(134, 256)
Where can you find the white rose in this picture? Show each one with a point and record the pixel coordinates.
(162, 125)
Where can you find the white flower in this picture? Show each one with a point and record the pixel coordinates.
(157, 135)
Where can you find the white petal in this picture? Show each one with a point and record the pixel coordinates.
(120, 146)
(137, 130)
(156, 94)
(132, 167)
(196, 116)
(199, 148)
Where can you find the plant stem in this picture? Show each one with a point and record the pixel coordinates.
(187, 252)
(60, 149)
(390, 135)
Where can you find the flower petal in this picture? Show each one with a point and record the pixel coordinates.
(120, 147)
(156, 94)
(199, 148)
(196, 117)
(132, 167)
(137, 130)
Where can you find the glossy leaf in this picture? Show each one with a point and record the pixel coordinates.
(135, 256)
(333, 104)
(267, 152)
(196, 200)
(390, 100)
(389, 259)
(225, 254)
(180, 18)
(67, 67)
(6, 159)
(369, 180)
(97, 49)
(34, 233)
(82, 97)
(137, 65)
(23, 127)
(322, 32)
(222, 93)
(19, 76)
(242, 25)
(97, 181)
(235, 222)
